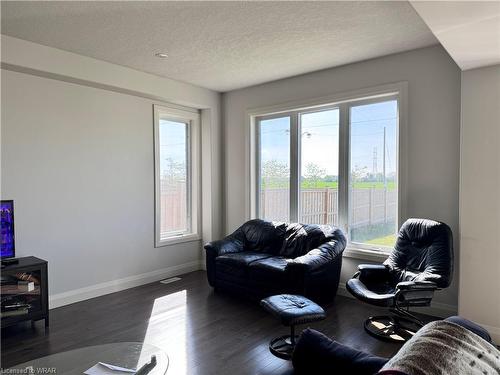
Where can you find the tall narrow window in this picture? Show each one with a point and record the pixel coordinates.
(373, 173)
(274, 168)
(319, 167)
(176, 175)
(334, 164)
(174, 178)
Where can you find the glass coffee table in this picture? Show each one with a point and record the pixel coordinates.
(130, 355)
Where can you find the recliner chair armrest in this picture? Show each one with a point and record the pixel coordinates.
(416, 285)
(227, 245)
(372, 272)
(372, 267)
(414, 293)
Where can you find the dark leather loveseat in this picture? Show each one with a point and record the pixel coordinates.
(263, 258)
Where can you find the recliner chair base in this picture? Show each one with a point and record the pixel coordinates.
(391, 328)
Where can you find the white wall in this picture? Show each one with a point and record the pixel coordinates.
(433, 134)
(77, 158)
(479, 292)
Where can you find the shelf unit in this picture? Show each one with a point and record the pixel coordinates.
(17, 303)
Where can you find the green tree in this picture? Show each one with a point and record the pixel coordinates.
(359, 173)
(313, 175)
(173, 170)
(274, 173)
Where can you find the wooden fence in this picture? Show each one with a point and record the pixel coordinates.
(320, 206)
(173, 206)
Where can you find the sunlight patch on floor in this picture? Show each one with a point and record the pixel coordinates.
(167, 330)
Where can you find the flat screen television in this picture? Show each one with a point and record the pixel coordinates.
(8, 249)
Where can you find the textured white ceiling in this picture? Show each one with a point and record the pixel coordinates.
(468, 30)
(221, 45)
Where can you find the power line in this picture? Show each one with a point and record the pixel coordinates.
(382, 119)
(173, 144)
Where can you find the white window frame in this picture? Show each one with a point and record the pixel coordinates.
(191, 118)
(343, 102)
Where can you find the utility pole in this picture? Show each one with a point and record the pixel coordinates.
(374, 164)
(383, 163)
(385, 185)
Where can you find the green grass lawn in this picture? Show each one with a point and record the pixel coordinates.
(332, 185)
(358, 185)
(383, 241)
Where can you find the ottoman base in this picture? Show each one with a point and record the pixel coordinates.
(291, 310)
(282, 347)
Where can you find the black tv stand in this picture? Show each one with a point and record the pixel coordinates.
(24, 291)
(9, 261)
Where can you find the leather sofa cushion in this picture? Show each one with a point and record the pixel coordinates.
(471, 326)
(287, 240)
(236, 263)
(317, 354)
(302, 238)
(268, 270)
(263, 236)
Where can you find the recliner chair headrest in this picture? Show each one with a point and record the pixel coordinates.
(423, 251)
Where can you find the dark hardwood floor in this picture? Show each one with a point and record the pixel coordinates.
(202, 332)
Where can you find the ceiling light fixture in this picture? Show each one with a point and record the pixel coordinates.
(161, 55)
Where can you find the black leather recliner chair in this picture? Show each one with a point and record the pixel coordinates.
(421, 263)
(263, 258)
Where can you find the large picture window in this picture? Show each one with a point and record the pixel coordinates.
(333, 164)
(176, 175)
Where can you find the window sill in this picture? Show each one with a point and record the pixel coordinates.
(178, 239)
(365, 254)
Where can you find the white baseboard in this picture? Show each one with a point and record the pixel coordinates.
(203, 265)
(438, 309)
(76, 295)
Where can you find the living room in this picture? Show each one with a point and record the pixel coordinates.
(141, 142)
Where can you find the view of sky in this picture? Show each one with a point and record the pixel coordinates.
(275, 141)
(172, 146)
(320, 138)
(320, 141)
(367, 136)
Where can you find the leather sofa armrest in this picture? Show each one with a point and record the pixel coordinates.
(319, 257)
(230, 244)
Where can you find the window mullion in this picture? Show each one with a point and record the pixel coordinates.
(294, 167)
(258, 175)
(344, 160)
(189, 177)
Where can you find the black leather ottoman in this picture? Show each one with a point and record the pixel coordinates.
(291, 310)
